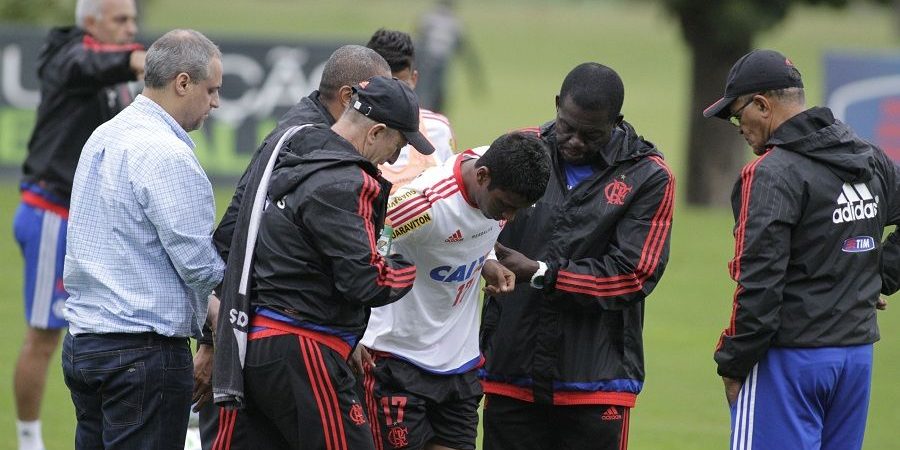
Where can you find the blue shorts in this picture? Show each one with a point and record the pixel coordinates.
(41, 235)
(804, 399)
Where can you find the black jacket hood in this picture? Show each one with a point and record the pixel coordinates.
(332, 150)
(56, 40)
(816, 134)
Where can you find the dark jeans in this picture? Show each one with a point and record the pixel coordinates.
(130, 390)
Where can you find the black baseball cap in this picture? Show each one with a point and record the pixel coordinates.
(757, 71)
(391, 102)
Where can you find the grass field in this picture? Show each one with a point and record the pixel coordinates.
(527, 47)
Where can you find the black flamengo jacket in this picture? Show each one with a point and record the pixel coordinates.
(316, 256)
(77, 76)
(606, 243)
(809, 216)
(309, 110)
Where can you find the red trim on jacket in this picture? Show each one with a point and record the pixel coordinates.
(535, 130)
(35, 200)
(387, 275)
(563, 398)
(278, 328)
(734, 267)
(96, 46)
(650, 254)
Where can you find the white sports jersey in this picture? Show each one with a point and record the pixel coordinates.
(411, 163)
(435, 325)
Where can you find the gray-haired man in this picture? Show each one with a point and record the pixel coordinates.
(140, 261)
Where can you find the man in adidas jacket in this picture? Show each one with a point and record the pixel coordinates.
(423, 391)
(564, 356)
(809, 213)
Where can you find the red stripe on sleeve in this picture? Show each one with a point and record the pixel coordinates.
(96, 46)
(387, 275)
(651, 252)
(739, 234)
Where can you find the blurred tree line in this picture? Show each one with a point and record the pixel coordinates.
(46, 12)
(717, 34)
(37, 11)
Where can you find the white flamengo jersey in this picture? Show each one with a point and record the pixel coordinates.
(435, 325)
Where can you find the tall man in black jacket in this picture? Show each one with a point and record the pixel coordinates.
(809, 214)
(565, 354)
(347, 66)
(81, 71)
(316, 272)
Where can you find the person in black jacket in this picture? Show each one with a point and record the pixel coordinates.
(347, 66)
(809, 213)
(564, 356)
(316, 272)
(82, 70)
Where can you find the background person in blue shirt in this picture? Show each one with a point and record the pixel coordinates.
(140, 261)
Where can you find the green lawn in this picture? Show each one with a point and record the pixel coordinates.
(527, 47)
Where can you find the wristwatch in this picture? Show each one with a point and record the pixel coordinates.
(537, 280)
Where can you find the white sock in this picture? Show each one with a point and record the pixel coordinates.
(29, 435)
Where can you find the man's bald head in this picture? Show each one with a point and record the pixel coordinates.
(348, 66)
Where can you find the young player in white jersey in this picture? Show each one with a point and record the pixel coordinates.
(397, 49)
(422, 391)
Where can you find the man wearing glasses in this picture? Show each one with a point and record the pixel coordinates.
(796, 357)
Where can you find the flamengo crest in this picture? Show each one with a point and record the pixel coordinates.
(616, 191)
(356, 414)
(397, 436)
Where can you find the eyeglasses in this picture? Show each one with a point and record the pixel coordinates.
(735, 117)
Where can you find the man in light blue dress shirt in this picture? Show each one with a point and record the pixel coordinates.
(140, 262)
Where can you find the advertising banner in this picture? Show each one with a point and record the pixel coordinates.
(262, 79)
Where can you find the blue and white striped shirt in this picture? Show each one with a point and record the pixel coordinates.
(140, 256)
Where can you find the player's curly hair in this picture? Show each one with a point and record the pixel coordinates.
(519, 163)
(396, 47)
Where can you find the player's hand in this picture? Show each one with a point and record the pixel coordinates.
(498, 279)
(360, 359)
(732, 389)
(519, 264)
(203, 364)
(881, 304)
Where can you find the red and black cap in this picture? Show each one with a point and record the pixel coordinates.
(391, 102)
(757, 71)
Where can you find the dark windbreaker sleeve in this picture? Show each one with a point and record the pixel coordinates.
(225, 231)
(88, 66)
(635, 259)
(765, 212)
(340, 215)
(890, 248)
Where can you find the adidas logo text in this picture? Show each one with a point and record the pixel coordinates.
(611, 413)
(455, 237)
(855, 203)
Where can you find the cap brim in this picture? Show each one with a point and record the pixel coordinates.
(419, 142)
(719, 109)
